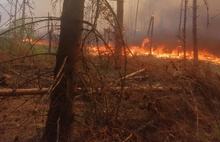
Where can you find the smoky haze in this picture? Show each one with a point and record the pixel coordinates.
(167, 17)
(166, 13)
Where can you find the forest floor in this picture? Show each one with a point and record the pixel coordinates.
(164, 102)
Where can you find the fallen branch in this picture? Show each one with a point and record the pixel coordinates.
(23, 92)
(127, 76)
(44, 91)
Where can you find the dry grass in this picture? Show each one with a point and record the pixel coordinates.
(161, 104)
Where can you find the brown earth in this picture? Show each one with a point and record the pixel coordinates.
(165, 103)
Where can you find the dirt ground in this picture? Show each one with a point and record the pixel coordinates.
(160, 104)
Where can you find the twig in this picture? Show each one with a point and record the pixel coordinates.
(128, 138)
(1, 34)
(128, 76)
(58, 76)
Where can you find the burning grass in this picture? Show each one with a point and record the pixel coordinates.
(159, 52)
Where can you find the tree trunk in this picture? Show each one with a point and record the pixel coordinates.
(195, 40)
(180, 26)
(60, 116)
(15, 15)
(119, 28)
(150, 33)
(184, 29)
(180, 23)
(49, 31)
(136, 17)
(23, 20)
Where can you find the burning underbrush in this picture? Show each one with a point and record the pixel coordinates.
(156, 100)
(161, 51)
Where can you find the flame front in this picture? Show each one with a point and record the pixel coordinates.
(159, 52)
(144, 50)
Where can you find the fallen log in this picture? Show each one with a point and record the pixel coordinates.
(23, 92)
(44, 91)
(38, 91)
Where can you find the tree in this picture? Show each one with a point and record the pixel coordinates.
(23, 18)
(22, 31)
(184, 29)
(119, 27)
(60, 116)
(195, 40)
(136, 18)
(150, 32)
(180, 25)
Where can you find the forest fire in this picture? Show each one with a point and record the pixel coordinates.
(66, 75)
(159, 52)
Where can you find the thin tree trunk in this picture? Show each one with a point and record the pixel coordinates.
(119, 26)
(11, 2)
(131, 19)
(180, 26)
(49, 30)
(23, 19)
(151, 35)
(15, 21)
(136, 17)
(195, 39)
(184, 29)
(180, 23)
(150, 32)
(61, 113)
(15, 15)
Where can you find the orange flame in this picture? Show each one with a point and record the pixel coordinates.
(102, 50)
(159, 52)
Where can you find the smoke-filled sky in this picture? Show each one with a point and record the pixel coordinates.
(166, 13)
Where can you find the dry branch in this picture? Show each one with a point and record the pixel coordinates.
(128, 76)
(23, 92)
(37, 91)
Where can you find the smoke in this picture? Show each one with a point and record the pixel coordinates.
(166, 13)
(166, 24)
(167, 17)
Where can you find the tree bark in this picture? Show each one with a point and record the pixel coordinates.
(136, 17)
(195, 39)
(119, 28)
(150, 33)
(60, 116)
(180, 23)
(23, 19)
(180, 26)
(49, 31)
(184, 29)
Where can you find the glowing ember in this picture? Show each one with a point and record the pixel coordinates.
(27, 40)
(158, 52)
(102, 50)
